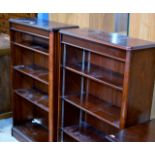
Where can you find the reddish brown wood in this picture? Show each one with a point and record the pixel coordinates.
(97, 108)
(51, 88)
(108, 81)
(36, 97)
(108, 39)
(30, 132)
(34, 48)
(141, 86)
(84, 134)
(124, 101)
(34, 71)
(139, 133)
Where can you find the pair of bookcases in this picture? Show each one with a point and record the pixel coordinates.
(77, 84)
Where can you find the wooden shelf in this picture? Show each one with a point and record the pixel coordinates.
(86, 133)
(102, 110)
(33, 47)
(30, 132)
(96, 52)
(34, 71)
(99, 74)
(34, 96)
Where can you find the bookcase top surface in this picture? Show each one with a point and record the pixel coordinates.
(41, 24)
(110, 39)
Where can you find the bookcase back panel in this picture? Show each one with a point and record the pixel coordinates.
(73, 55)
(73, 83)
(114, 68)
(22, 81)
(25, 82)
(31, 41)
(104, 93)
(29, 113)
(100, 125)
(29, 58)
(41, 116)
(25, 109)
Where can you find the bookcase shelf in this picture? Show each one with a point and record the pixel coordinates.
(34, 68)
(100, 75)
(34, 71)
(84, 133)
(102, 110)
(33, 47)
(106, 83)
(36, 97)
(31, 132)
(105, 54)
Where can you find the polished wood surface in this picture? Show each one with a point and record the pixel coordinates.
(30, 132)
(113, 86)
(139, 133)
(142, 26)
(46, 25)
(34, 63)
(109, 39)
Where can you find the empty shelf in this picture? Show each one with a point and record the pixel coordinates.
(34, 71)
(86, 133)
(34, 96)
(99, 74)
(34, 47)
(31, 132)
(102, 110)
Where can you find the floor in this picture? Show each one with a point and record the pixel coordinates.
(5, 131)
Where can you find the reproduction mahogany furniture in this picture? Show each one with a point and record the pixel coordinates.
(144, 132)
(35, 54)
(107, 83)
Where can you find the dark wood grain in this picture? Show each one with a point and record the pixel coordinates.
(30, 133)
(34, 71)
(34, 76)
(86, 133)
(141, 86)
(110, 39)
(36, 97)
(100, 109)
(44, 25)
(108, 81)
(139, 133)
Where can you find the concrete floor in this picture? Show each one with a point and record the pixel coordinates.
(5, 130)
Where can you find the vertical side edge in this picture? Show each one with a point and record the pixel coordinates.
(124, 103)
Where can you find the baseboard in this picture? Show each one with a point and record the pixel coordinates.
(5, 115)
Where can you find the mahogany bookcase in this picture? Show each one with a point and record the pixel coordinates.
(34, 76)
(107, 83)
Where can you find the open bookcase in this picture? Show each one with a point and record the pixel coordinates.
(106, 84)
(34, 57)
